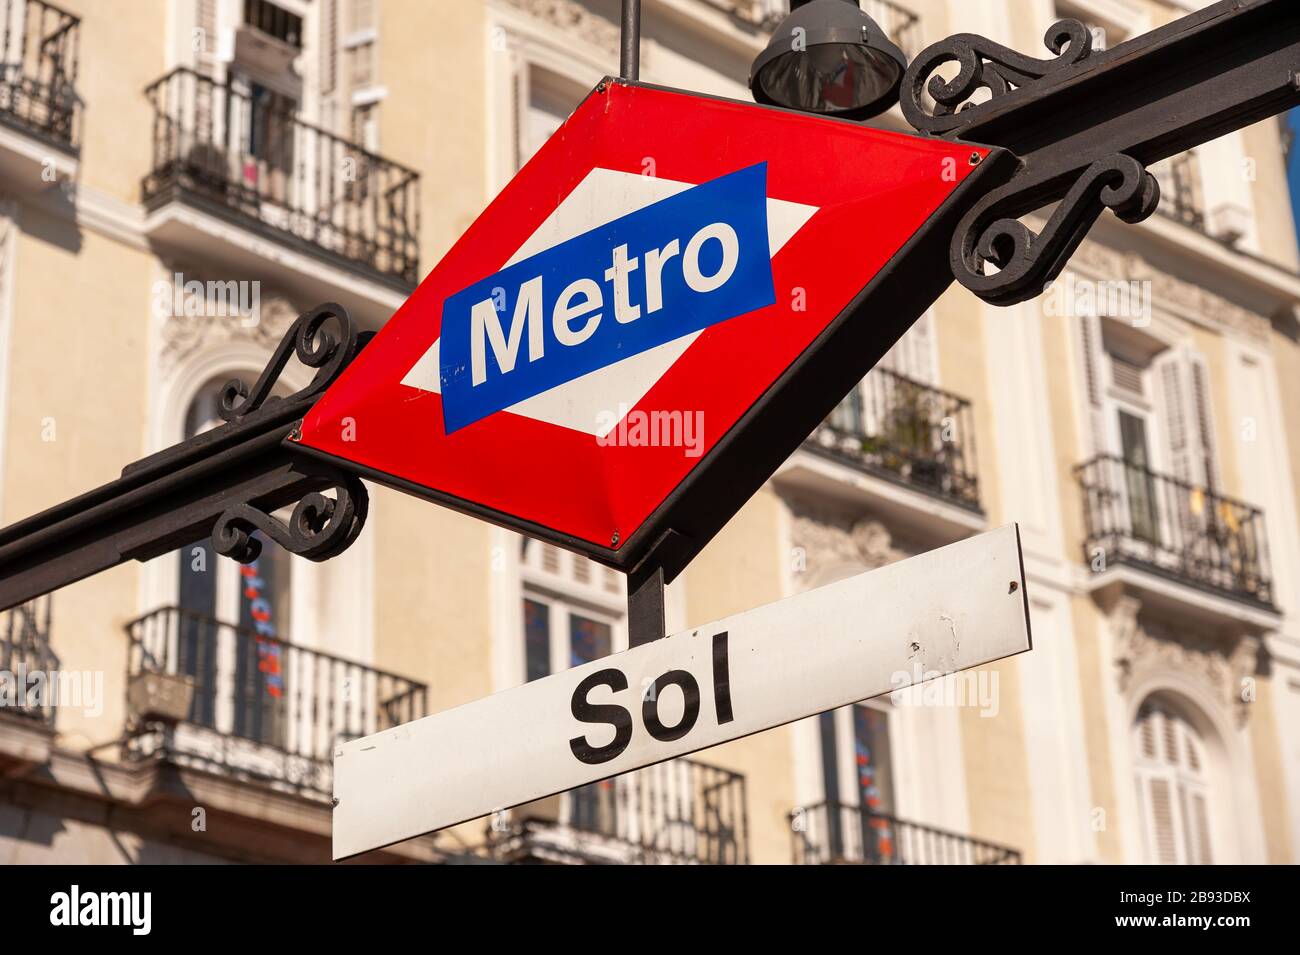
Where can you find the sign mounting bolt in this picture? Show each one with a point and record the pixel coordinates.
(613, 539)
(975, 159)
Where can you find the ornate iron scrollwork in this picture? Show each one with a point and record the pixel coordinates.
(315, 346)
(983, 65)
(1027, 261)
(319, 528)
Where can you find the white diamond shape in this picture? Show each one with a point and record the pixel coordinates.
(605, 195)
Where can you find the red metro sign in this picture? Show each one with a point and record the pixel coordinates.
(650, 317)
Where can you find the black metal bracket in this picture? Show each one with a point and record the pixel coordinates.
(1087, 123)
(226, 482)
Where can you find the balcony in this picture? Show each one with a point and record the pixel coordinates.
(837, 834)
(39, 106)
(1180, 190)
(26, 707)
(1188, 534)
(680, 812)
(24, 650)
(908, 433)
(208, 695)
(245, 159)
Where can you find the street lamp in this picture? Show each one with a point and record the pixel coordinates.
(829, 57)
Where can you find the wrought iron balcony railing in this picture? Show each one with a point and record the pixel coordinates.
(1180, 190)
(838, 834)
(1182, 531)
(249, 153)
(906, 431)
(24, 651)
(679, 812)
(259, 707)
(38, 71)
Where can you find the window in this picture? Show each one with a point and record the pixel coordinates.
(214, 593)
(1138, 480)
(274, 21)
(866, 408)
(1148, 403)
(857, 776)
(543, 101)
(558, 636)
(572, 609)
(1173, 787)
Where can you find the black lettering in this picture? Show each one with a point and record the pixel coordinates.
(721, 679)
(611, 713)
(650, 708)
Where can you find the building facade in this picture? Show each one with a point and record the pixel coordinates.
(179, 179)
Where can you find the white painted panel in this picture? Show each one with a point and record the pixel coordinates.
(953, 608)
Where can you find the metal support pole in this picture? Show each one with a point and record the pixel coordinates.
(645, 606)
(629, 64)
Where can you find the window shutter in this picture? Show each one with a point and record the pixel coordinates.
(1172, 788)
(1204, 421)
(581, 569)
(329, 47)
(1188, 417)
(1173, 395)
(205, 18)
(913, 354)
(1199, 826)
(1147, 735)
(1090, 345)
(1162, 822)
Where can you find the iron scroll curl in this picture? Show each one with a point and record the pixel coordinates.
(316, 346)
(1026, 261)
(319, 528)
(983, 65)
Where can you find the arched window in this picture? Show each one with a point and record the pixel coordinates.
(1173, 786)
(232, 620)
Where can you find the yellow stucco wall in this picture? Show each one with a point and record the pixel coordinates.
(121, 54)
(76, 413)
(1094, 677)
(1266, 749)
(432, 601)
(435, 119)
(1285, 342)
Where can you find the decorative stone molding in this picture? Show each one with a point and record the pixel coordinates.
(575, 20)
(182, 335)
(1186, 297)
(826, 540)
(1145, 647)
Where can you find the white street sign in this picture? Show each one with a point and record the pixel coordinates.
(949, 609)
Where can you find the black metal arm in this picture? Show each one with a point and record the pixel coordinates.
(1086, 124)
(226, 482)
